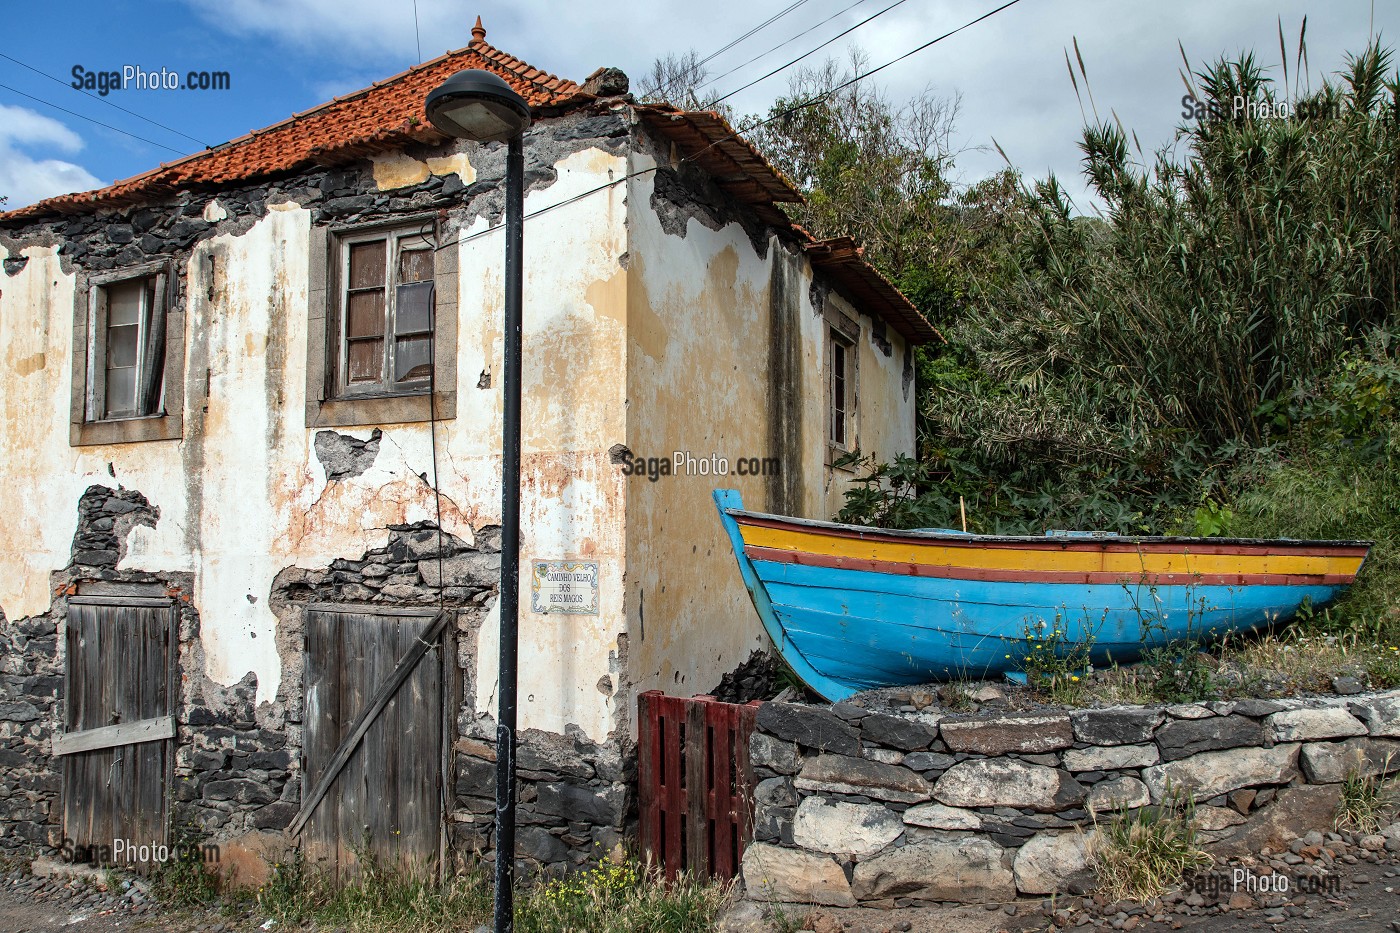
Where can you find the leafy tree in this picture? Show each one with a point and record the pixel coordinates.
(869, 169)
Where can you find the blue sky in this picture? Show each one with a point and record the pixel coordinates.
(283, 56)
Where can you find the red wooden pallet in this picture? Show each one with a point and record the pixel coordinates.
(695, 783)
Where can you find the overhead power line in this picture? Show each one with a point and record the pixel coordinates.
(825, 95)
(777, 116)
(761, 26)
(799, 58)
(789, 41)
(104, 100)
(670, 86)
(48, 103)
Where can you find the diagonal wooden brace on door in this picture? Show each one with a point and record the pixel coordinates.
(377, 702)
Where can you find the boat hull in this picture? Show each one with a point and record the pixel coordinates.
(853, 608)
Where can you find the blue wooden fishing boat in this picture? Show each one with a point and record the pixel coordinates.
(852, 608)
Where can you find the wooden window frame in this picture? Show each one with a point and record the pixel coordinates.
(329, 401)
(393, 238)
(89, 422)
(841, 331)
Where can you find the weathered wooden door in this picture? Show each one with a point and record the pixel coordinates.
(387, 798)
(118, 725)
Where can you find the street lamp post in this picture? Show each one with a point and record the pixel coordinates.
(478, 105)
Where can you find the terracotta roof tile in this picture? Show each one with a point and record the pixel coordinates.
(389, 113)
(845, 264)
(386, 114)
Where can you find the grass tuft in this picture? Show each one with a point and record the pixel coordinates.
(1139, 854)
(1367, 803)
(612, 898)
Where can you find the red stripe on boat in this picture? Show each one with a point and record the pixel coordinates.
(808, 559)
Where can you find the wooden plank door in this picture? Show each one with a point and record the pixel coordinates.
(387, 800)
(118, 725)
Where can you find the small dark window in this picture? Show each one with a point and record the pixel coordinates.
(840, 390)
(838, 393)
(126, 349)
(386, 313)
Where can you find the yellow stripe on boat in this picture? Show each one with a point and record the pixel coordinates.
(990, 557)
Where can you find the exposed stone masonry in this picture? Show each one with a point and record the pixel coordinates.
(575, 797)
(31, 676)
(896, 809)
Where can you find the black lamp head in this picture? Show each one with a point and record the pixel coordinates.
(478, 105)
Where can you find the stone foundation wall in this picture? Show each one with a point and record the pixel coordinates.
(575, 797)
(896, 808)
(32, 680)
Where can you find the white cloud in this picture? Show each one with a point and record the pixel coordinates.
(25, 178)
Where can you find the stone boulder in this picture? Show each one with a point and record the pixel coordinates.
(1183, 738)
(1110, 758)
(1210, 774)
(994, 782)
(1192, 711)
(897, 732)
(937, 816)
(774, 792)
(1214, 819)
(604, 806)
(470, 569)
(838, 774)
(1296, 812)
(1310, 725)
(1331, 762)
(765, 751)
(772, 873)
(966, 870)
(1121, 793)
(1381, 714)
(1127, 725)
(840, 828)
(550, 753)
(1050, 862)
(811, 726)
(1025, 735)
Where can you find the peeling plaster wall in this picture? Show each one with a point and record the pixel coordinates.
(243, 495)
(703, 312)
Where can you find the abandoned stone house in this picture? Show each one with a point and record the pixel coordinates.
(250, 412)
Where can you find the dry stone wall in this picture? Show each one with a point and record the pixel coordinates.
(897, 809)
